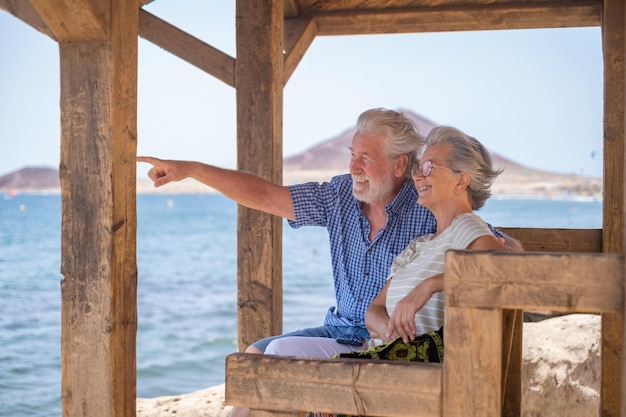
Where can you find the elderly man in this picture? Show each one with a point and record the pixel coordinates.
(371, 215)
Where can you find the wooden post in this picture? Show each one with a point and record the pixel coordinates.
(512, 338)
(259, 83)
(472, 371)
(614, 48)
(97, 170)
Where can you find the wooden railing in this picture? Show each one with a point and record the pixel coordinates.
(484, 293)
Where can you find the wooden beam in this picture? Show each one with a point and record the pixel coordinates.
(291, 8)
(186, 47)
(123, 149)
(299, 34)
(350, 386)
(75, 20)
(472, 371)
(557, 240)
(614, 49)
(24, 10)
(98, 188)
(533, 280)
(259, 75)
(512, 360)
(461, 18)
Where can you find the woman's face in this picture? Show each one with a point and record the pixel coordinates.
(437, 186)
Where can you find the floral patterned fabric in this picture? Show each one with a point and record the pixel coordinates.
(425, 348)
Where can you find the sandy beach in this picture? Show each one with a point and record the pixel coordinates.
(560, 375)
(512, 184)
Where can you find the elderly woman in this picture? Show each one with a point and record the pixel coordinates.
(453, 178)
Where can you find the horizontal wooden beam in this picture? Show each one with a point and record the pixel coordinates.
(186, 47)
(350, 386)
(568, 282)
(557, 240)
(525, 15)
(75, 20)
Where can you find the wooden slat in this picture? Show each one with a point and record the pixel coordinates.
(461, 18)
(86, 219)
(98, 188)
(557, 240)
(75, 20)
(299, 34)
(614, 48)
(310, 7)
(512, 339)
(472, 370)
(24, 10)
(186, 47)
(123, 226)
(259, 77)
(351, 386)
(590, 283)
(613, 332)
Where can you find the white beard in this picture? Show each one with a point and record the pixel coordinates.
(374, 192)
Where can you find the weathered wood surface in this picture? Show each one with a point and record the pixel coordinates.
(530, 281)
(461, 18)
(351, 386)
(613, 333)
(472, 372)
(545, 240)
(76, 20)
(98, 260)
(557, 240)
(123, 225)
(186, 47)
(511, 347)
(320, 7)
(259, 78)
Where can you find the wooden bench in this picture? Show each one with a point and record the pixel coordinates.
(485, 295)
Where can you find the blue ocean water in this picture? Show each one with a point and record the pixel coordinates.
(186, 257)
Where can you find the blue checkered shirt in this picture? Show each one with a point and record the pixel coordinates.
(360, 267)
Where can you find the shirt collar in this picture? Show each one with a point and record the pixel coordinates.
(406, 195)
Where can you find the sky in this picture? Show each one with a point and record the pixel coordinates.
(533, 96)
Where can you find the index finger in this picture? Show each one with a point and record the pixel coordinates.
(148, 159)
(392, 330)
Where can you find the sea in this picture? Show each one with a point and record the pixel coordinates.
(186, 302)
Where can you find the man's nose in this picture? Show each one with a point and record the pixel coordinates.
(356, 165)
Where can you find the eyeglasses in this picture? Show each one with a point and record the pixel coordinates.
(424, 168)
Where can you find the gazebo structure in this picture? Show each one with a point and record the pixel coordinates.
(562, 270)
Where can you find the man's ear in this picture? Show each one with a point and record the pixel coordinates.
(401, 165)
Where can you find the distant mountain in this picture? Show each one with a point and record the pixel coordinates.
(31, 178)
(331, 157)
(334, 154)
